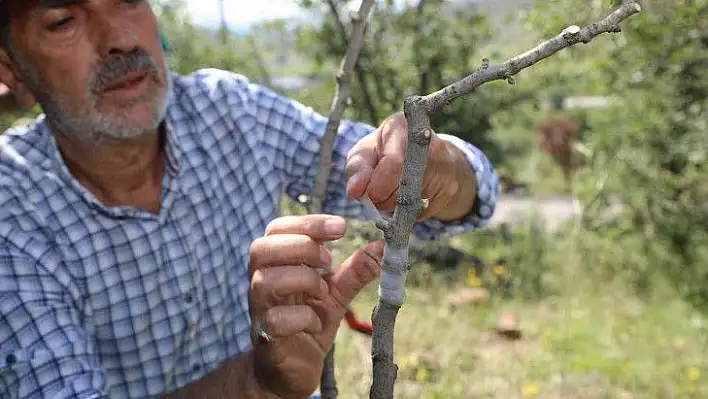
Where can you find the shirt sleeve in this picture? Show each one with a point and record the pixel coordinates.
(293, 131)
(44, 350)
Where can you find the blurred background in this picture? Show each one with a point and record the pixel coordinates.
(591, 281)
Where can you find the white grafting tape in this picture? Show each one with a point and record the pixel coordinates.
(369, 208)
(392, 288)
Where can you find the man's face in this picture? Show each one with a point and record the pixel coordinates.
(95, 66)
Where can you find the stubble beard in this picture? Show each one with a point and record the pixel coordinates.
(86, 122)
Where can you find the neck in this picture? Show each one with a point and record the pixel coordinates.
(119, 173)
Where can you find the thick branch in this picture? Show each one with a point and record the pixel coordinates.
(506, 70)
(384, 369)
(339, 103)
(398, 230)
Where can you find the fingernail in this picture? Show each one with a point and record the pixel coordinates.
(335, 226)
(352, 180)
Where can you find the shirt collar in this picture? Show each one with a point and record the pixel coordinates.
(168, 134)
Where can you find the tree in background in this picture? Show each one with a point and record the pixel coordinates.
(192, 47)
(651, 152)
(413, 49)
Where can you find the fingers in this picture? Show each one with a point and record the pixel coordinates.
(287, 249)
(374, 164)
(285, 285)
(437, 189)
(360, 165)
(356, 272)
(293, 240)
(385, 178)
(387, 173)
(285, 321)
(317, 227)
(438, 201)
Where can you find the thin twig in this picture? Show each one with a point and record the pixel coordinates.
(339, 103)
(398, 229)
(358, 69)
(506, 70)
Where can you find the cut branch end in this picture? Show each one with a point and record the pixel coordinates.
(572, 30)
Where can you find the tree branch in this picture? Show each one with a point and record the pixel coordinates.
(328, 382)
(398, 229)
(506, 70)
(339, 103)
(360, 75)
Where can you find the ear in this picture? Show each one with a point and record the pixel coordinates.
(9, 75)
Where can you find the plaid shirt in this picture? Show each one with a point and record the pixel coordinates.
(116, 302)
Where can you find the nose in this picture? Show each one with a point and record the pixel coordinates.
(114, 36)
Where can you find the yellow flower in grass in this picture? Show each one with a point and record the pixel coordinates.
(499, 270)
(472, 279)
(421, 375)
(403, 361)
(693, 373)
(529, 390)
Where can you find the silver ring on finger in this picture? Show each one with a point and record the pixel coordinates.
(263, 337)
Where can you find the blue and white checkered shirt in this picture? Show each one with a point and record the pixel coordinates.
(116, 302)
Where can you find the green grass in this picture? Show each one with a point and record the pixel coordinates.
(586, 338)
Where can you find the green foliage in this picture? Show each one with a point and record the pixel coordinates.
(653, 147)
(11, 119)
(414, 49)
(192, 47)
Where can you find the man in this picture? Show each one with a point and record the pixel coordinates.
(138, 237)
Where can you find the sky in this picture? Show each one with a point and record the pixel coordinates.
(242, 13)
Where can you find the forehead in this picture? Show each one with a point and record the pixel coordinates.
(29, 4)
(10, 9)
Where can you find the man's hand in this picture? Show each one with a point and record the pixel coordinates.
(297, 307)
(375, 163)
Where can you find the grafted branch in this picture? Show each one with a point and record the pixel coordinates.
(398, 229)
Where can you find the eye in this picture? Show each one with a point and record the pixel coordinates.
(59, 23)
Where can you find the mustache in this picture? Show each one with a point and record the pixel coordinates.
(120, 65)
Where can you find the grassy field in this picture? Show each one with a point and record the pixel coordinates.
(582, 338)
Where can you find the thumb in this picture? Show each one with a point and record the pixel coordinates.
(361, 160)
(356, 272)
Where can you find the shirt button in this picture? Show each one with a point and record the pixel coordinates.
(188, 298)
(196, 368)
(10, 360)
